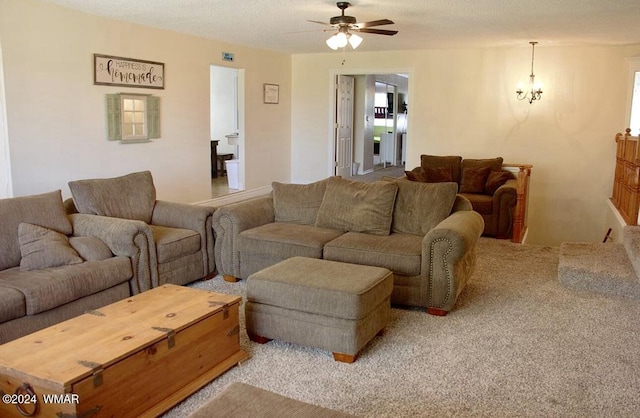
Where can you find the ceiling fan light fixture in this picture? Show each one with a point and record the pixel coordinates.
(354, 40)
(338, 40)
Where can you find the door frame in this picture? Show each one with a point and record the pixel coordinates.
(331, 139)
(240, 114)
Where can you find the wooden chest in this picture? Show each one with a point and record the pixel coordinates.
(136, 357)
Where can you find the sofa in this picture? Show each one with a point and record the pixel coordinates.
(177, 237)
(424, 233)
(497, 191)
(50, 271)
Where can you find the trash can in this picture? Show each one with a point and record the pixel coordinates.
(232, 174)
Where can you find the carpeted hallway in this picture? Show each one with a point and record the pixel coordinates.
(519, 343)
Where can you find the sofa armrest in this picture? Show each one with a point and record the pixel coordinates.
(194, 217)
(504, 205)
(231, 220)
(448, 259)
(127, 238)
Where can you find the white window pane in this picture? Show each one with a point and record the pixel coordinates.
(128, 117)
(139, 117)
(139, 105)
(127, 129)
(127, 104)
(139, 128)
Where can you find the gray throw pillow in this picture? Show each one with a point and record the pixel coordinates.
(298, 203)
(352, 206)
(42, 248)
(90, 248)
(44, 209)
(132, 196)
(421, 206)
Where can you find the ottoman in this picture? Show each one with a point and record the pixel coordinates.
(324, 304)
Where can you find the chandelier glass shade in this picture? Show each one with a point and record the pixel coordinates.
(535, 88)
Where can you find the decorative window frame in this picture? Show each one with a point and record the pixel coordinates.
(115, 118)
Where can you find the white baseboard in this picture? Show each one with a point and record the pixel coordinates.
(235, 197)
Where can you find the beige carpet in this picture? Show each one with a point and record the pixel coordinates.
(519, 343)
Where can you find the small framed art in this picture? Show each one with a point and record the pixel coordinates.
(271, 93)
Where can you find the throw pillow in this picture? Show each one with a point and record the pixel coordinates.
(42, 248)
(132, 196)
(44, 209)
(90, 248)
(421, 206)
(438, 175)
(474, 179)
(358, 207)
(452, 162)
(417, 175)
(298, 203)
(495, 180)
(494, 163)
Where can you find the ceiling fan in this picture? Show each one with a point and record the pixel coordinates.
(345, 25)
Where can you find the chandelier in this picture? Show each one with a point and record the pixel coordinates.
(535, 89)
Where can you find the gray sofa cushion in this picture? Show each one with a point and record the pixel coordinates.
(90, 248)
(174, 243)
(45, 210)
(421, 206)
(400, 253)
(358, 207)
(43, 248)
(283, 240)
(298, 203)
(135, 192)
(13, 304)
(47, 289)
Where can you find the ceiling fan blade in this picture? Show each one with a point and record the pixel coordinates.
(317, 21)
(373, 23)
(379, 31)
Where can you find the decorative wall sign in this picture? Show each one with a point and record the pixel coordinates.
(127, 72)
(271, 93)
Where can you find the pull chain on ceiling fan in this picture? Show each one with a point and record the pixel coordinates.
(347, 25)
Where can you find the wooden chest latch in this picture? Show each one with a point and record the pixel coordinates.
(225, 308)
(96, 370)
(171, 334)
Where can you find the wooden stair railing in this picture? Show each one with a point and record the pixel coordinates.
(522, 196)
(626, 183)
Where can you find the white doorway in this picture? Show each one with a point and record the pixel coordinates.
(368, 150)
(226, 128)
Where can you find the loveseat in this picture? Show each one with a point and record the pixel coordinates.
(497, 191)
(424, 233)
(49, 272)
(177, 237)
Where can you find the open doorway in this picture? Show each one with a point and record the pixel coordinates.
(380, 120)
(227, 139)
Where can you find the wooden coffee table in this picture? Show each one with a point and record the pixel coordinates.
(136, 357)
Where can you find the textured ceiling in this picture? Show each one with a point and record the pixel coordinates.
(422, 24)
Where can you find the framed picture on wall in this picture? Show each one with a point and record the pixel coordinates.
(271, 93)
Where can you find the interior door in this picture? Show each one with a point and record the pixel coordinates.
(344, 125)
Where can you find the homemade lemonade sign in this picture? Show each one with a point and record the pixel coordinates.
(117, 71)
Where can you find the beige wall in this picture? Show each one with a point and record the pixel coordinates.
(56, 116)
(462, 102)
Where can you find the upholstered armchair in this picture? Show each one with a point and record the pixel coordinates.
(178, 237)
